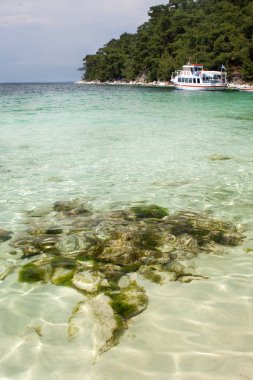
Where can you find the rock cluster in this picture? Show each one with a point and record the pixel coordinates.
(98, 254)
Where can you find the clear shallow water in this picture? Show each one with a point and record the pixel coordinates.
(112, 146)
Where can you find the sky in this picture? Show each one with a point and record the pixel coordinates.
(46, 40)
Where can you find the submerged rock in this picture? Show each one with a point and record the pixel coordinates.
(39, 212)
(89, 281)
(107, 326)
(63, 262)
(31, 246)
(129, 301)
(112, 272)
(218, 157)
(97, 255)
(147, 211)
(54, 230)
(203, 229)
(62, 276)
(6, 270)
(5, 235)
(73, 208)
(32, 273)
(132, 247)
(155, 274)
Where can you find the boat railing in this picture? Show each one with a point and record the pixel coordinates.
(185, 73)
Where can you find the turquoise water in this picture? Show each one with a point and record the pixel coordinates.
(119, 144)
(112, 146)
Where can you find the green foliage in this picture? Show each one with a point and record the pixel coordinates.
(212, 32)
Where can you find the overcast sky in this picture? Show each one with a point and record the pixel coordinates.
(45, 40)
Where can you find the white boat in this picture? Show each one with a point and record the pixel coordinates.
(194, 77)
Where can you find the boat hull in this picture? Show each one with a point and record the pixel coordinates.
(200, 87)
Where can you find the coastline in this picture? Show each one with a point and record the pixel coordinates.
(231, 85)
(123, 83)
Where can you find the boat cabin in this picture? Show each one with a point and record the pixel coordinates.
(194, 76)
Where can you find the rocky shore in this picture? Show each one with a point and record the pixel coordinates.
(123, 83)
(103, 255)
(231, 86)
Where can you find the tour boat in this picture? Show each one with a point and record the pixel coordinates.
(194, 77)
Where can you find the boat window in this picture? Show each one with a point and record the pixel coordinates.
(182, 79)
(194, 80)
(186, 80)
(179, 79)
(190, 80)
(198, 80)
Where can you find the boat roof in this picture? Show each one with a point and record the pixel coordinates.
(193, 65)
(211, 72)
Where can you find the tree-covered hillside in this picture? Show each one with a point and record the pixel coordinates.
(211, 32)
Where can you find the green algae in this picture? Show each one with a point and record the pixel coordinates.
(129, 301)
(62, 276)
(248, 250)
(32, 273)
(150, 239)
(153, 276)
(122, 307)
(149, 211)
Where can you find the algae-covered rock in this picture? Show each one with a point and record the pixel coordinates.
(89, 281)
(112, 272)
(76, 244)
(63, 262)
(147, 211)
(129, 301)
(68, 243)
(107, 326)
(31, 245)
(72, 208)
(183, 274)
(203, 228)
(32, 273)
(99, 254)
(132, 247)
(62, 276)
(57, 270)
(154, 274)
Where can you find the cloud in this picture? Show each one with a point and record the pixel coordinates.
(47, 33)
(48, 13)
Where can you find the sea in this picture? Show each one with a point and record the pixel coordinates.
(115, 146)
